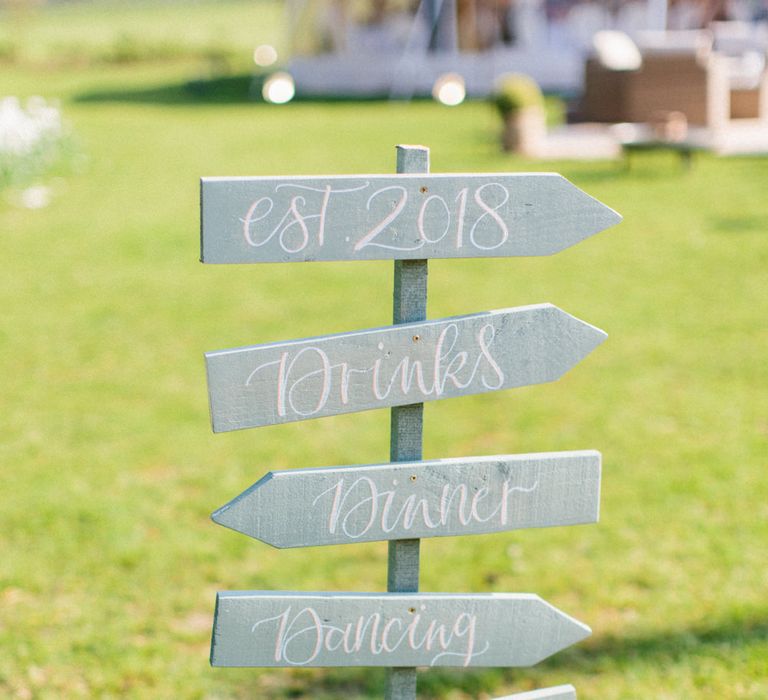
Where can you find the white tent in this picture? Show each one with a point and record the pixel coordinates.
(395, 48)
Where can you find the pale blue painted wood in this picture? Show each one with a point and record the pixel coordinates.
(409, 304)
(259, 628)
(402, 501)
(400, 217)
(394, 366)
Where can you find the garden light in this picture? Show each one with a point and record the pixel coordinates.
(279, 88)
(449, 89)
(264, 55)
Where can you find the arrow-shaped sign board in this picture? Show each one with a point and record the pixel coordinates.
(394, 366)
(561, 692)
(384, 217)
(406, 500)
(407, 629)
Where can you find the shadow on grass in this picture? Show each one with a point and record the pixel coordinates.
(666, 648)
(590, 658)
(653, 171)
(740, 224)
(228, 89)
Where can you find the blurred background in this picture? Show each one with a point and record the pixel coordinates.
(110, 113)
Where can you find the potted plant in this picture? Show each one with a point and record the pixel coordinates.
(520, 103)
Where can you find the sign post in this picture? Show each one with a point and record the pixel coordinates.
(410, 500)
(394, 366)
(258, 628)
(408, 218)
(409, 304)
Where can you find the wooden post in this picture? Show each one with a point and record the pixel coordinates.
(409, 304)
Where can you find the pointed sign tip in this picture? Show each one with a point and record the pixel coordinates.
(572, 631)
(241, 514)
(601, 215)
(599, 335)
(226, 516)
(218, 515)
(565, 632)
(609, 218)
(582, 336)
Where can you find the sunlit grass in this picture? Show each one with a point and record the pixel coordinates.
(113, 32)
(110, 469)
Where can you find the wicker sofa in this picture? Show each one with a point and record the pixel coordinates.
(687, 77)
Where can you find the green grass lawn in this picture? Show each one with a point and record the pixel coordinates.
(110, 564)
(113, 32)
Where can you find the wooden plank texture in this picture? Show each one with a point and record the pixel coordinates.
(401, 217)
(467, 496)
(560, 692)
(394, 366)
(259, 628)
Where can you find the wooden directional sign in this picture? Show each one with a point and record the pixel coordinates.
(561, 692)
(387, 629)
(384, 217)
(406, 500)
(394, 366)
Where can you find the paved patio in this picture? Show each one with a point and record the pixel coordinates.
(590, 141)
